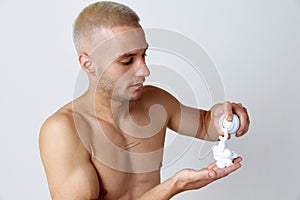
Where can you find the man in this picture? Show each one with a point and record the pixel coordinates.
(108, 143)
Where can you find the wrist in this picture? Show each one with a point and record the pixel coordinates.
(177, 185)
(211, 133)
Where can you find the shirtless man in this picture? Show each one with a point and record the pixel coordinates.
(108, 143)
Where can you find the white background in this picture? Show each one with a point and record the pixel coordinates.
(255, 46)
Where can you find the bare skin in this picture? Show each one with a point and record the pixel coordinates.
(83, 161)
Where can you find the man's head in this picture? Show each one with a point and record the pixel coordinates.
(96, 18)
(111, 45)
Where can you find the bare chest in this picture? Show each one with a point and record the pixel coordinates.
(122, 152)
(127, 156)
(128, 166)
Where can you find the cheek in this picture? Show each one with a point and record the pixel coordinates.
(119, 73)
(112, 73)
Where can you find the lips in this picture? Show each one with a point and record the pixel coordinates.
(137, 85)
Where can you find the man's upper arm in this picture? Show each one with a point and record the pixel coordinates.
(69, 171)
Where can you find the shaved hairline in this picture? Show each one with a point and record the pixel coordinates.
(91, 23)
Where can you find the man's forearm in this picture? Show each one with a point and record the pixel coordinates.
(163, 191)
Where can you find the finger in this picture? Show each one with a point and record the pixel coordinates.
(228, 111)
(214, 165)
(242, 113)
(230, 169)
(247, 114)
(203, 174)
(237, 160)
(198, 175)
(227, 170)
(222, 134)
(240, 105)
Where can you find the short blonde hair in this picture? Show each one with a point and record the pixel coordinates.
(104, 14)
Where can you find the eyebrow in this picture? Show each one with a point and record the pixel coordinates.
(126, 55)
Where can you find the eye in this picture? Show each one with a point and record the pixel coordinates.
(127, 61)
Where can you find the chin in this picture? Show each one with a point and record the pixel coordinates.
(135, 96)
(131, 96)
(128, 98)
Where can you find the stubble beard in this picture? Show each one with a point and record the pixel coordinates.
(110, 89)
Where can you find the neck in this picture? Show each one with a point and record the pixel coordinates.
(103, 106)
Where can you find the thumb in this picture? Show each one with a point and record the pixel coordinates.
(228, 111)
(205, 174)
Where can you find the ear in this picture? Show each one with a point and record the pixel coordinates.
(86, 63)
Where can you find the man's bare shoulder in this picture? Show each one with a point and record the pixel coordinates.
(159, 95)
(154, 90)
(59, 126)
(66, 161)
(62, 118)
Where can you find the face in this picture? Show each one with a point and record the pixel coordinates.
(121, 67)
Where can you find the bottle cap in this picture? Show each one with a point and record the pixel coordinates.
(230, 127)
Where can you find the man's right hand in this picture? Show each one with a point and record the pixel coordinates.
(189, 179)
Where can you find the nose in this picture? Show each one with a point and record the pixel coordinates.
(142, 70)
